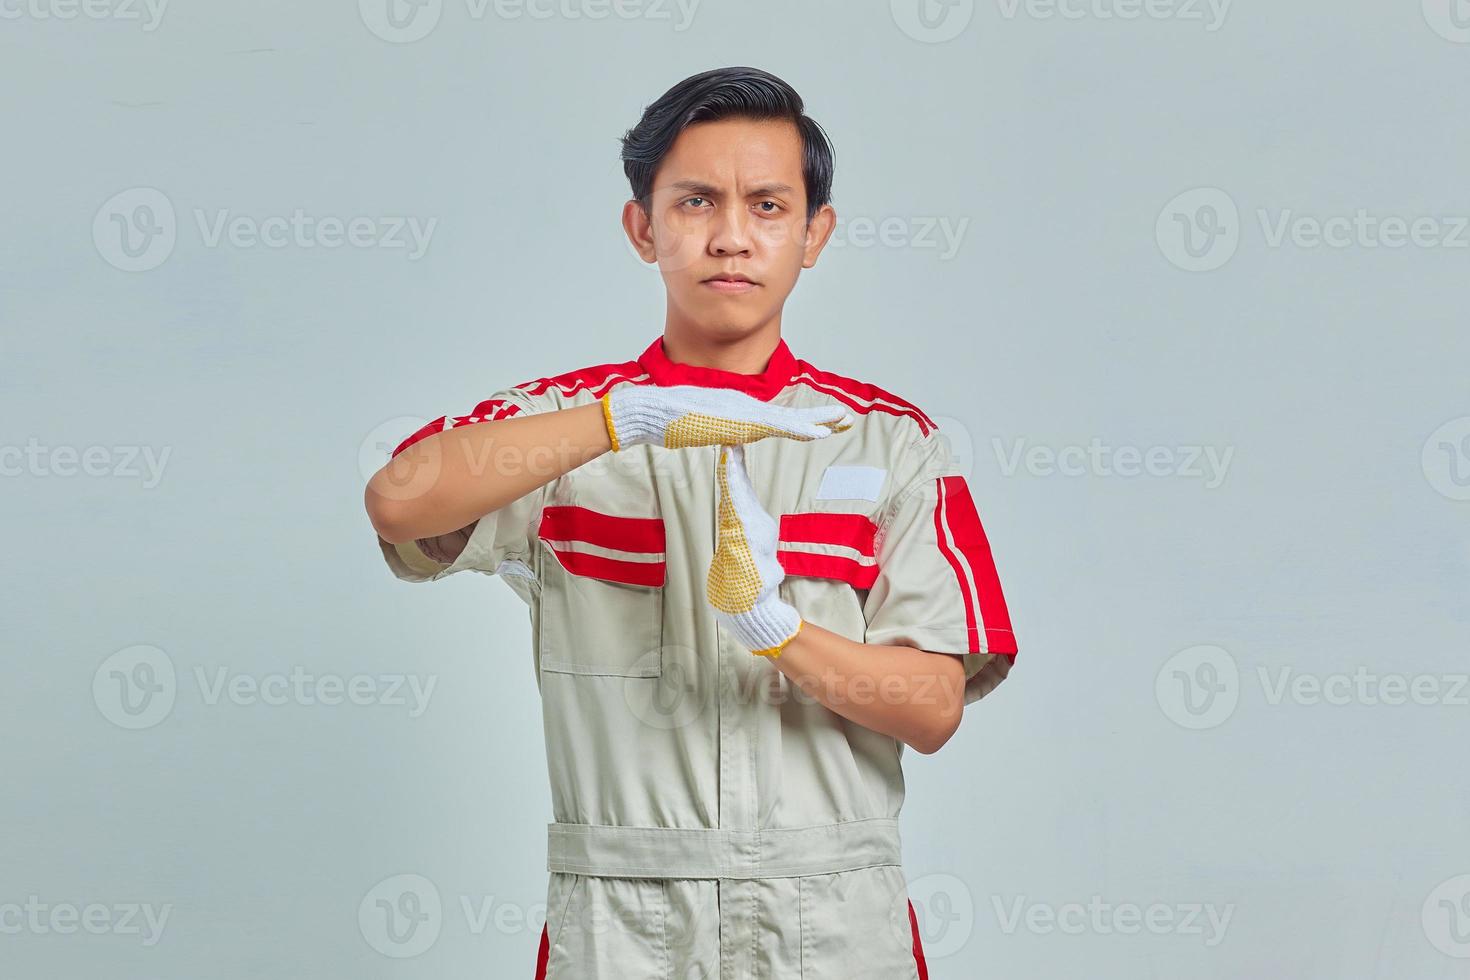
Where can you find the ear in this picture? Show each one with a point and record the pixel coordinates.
(639, 230)
(818, 231)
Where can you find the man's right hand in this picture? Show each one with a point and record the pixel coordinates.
(680, 416)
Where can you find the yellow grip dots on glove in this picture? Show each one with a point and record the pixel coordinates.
(745, 576)
(696, 429)
(734, 582)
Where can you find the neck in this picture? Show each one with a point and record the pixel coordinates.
(748, 354)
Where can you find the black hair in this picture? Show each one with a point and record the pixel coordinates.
(718, 94)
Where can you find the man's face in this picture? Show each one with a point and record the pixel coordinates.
(729, 200)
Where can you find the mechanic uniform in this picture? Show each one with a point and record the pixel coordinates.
(710, 819)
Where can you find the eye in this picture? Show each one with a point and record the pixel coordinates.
(688, 199)
(774, 207)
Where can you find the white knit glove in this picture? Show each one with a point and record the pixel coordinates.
(679, 416)
(744, 577)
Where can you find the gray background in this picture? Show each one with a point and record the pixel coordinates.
(1137, 753)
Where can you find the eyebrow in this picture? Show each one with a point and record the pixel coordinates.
(760, 190)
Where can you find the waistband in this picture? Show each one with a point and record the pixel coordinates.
(678, 852)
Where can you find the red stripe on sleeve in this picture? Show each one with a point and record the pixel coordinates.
(496, 408)
(423, 433)
(487, 411)
(969, 536)
(971, 631)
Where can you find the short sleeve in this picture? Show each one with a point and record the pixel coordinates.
(499, 541)
(937, 586)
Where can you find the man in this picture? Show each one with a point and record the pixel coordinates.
(751, 583)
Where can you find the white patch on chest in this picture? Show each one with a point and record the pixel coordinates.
(851, 483)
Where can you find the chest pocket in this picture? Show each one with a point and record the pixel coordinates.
(830, 563)
(602, 592)
(831, 546)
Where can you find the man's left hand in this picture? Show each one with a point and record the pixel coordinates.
(745, 575)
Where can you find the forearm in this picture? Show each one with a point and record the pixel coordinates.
(453, 478)
(913, 695)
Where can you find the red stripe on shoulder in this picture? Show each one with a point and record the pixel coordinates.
(487, 411)
(430, 429)
(861, 396)
(596, 379)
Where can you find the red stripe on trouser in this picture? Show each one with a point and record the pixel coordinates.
(606, 530)
(828, 566)
(969, 536)
(854, 531)
(542, 955)
(918, 946)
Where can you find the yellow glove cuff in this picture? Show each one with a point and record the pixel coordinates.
(775, 651)
(612, 432)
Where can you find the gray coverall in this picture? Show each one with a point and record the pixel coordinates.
(711, 820)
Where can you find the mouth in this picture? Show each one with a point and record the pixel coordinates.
(734, 283)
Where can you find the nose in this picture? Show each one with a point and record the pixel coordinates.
(729, 232)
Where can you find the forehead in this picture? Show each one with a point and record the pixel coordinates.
(734, 153)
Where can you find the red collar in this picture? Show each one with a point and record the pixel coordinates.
(765, 385)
